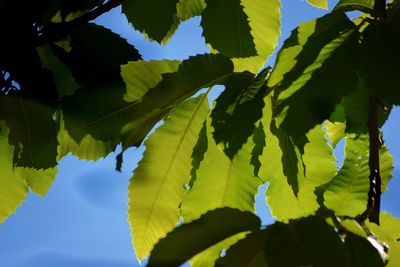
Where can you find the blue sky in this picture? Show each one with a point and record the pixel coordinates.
(82, 222)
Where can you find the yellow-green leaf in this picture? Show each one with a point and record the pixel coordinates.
(157, 186)
(347, 193)
(222, 182)
(264, 20)
(13, 190)
(190, 8)
(294, 176)
(319, 3)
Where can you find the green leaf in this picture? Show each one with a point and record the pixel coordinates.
(157, 187)
(379, 60)
(335, 131)
(259, 145)
(32, 131)
(91, 60)
(305, 86)
(247, 252)
(347, 193)
(356, 108)
(154, 17)
(319, 3)
(226, 28)
(187, 9)
(198, 153)
(293, 172)
(140, 76)
(63, 78)
(193, 74)
(264, 20)
(190, 239)
(366, 6)
(39, 181)
(209, 256)
(362, 252)
(237, 110)
(13, 190)
(389, 232)
(87, 125)
(84, 116)
(299, 244)
(295, 244)
(88, 148)
(233, 182)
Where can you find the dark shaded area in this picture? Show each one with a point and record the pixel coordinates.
(199, 150)
(230, 34)
(192, 238)
(318, 97)
(259, 144)
(238, 109)
(359, 248)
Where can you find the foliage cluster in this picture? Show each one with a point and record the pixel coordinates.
(71, 86)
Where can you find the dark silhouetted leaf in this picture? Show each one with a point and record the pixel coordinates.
(303, 73)
(366, 6)
(237, 110)
(294, 176)
(226, 28)
(299, 244)
(247, 252)
(33, 131)
(380, 60)
(362, 252)
(190, 239)
(155, 17)
(13, 190)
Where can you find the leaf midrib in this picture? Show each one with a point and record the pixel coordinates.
(151, 213)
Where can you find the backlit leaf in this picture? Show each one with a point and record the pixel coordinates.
(294, 172)
(193, 74)
(190, 8)
(319, 3)
(13, 190)
(303, 77)
(140, 76)
(347, 193)
(39, 181)
(209, 256)
(233, 182)
(264, 20)
(237, 110)
(157, 187)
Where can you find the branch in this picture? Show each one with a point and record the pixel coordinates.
(54, 32)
